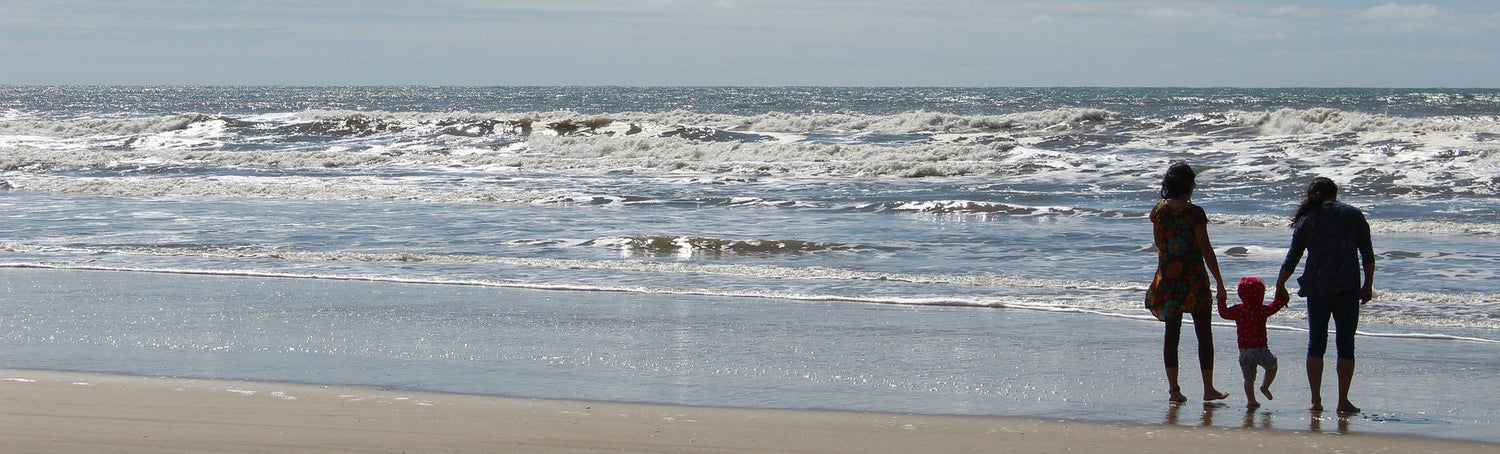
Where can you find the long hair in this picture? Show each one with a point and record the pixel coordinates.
(1320, 190)
(1179, 180)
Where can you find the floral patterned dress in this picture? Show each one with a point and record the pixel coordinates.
(1181, 282)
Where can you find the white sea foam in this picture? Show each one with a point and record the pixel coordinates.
(377, 188)
(1449, 152)
(1322, 120)
(1052, 301)
(588, 153)
(107, 127)
(288, 188)
(670, 244)
(648, 266)
(1051, 121)
(1377, 226)
(984, 207)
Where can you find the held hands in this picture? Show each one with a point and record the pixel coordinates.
(1282, 295)
(1280, 301)
(1223, 295)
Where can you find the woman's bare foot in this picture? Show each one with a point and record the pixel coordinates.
(1252, 405)
(1317, 407)
(1214, 394)
(1177, 397)
(1346, 408)
(1266, 389)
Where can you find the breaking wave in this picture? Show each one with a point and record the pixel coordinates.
(726, 127)
(1065, 144)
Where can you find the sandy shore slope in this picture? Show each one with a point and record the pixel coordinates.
(44, 411)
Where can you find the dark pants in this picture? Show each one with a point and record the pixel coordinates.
(1202, 327)
(1344, 308)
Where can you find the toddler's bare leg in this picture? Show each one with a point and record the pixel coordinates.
(1265, 387)
(1250, 394)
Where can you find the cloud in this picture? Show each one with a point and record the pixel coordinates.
(1395, 12)
(1289, 10)
(1179, 14)
(653, 42)
(1449, 20)
(1413, 18)
(1043, 19)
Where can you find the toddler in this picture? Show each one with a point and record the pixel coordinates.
(1250, 321)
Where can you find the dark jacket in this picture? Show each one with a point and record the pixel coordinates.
(1337, 240)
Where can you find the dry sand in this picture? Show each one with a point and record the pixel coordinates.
(45, 411)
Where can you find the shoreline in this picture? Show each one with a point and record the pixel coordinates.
(57, 411)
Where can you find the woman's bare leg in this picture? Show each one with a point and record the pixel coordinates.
(1209, 393)
(1315, 381)
(1346, 376)
(1174, 391)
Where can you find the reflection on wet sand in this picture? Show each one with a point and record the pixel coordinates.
(1208, 412)
(1253, 419)
(1315, 423)
(1250, 420)
(1206, 418)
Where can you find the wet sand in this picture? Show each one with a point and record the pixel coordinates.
(47, 411)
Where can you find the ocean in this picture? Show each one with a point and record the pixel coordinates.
(935, 250)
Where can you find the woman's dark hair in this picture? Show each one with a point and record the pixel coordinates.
(1179, 180)
(1320, 190)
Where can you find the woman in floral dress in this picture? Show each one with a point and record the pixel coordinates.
(1181, 283)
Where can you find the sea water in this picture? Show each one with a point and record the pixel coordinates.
(942, 250)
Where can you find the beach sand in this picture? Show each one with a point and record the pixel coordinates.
(48, 411)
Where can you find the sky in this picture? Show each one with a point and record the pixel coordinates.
(1190, 43)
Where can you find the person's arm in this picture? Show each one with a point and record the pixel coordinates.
(1228, 313)
(1289, 265)
(1206, 248)
(1367, 256)
(1234, 312)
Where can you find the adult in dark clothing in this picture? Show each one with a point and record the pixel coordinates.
(1336, 238)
